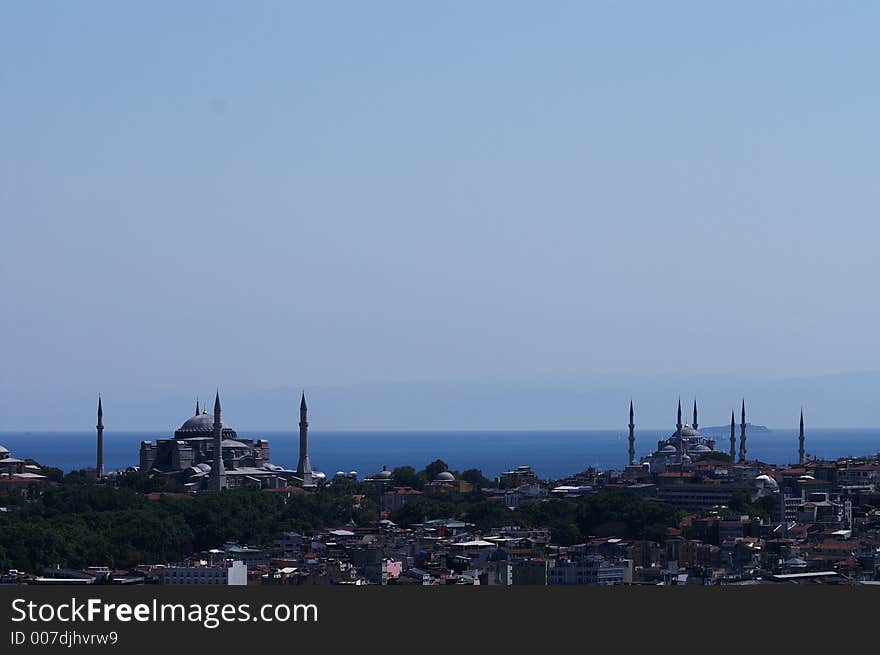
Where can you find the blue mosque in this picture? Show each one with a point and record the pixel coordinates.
(686, 444)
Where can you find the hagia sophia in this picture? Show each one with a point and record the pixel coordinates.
(189, 457)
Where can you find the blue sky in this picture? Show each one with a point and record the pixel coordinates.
(269, 195)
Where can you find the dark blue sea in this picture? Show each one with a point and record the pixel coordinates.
(552, 453)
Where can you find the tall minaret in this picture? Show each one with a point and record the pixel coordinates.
(678, 427)
(695, 424)
(742, 434)
(218, 474)
(99, 464)
(304, 468)
(197, 406)
(632, 435)
(732, 437)
(801, 440)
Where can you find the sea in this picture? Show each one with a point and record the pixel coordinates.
(552, 454)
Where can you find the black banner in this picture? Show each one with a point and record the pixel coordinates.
(227, 619)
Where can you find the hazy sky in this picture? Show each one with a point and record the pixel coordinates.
(254, 195)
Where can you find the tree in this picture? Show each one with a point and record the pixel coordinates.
(423, 509)
(564, 534)
(81, 476)
(52, 473)
(636, 516)
(476, 478)
(434, 469)
(740, 504)
(488, 514)
(406, 476)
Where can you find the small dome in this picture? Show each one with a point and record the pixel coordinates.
(446, 476)
(670, 449)
(766, 481)
(4, 449)
(384, 474)
(701, 448)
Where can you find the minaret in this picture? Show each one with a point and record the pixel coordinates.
(632, 435)
(732, 437)
(742, 434)
(801, 440)
(99, 464)
(197, 406)
(695, 424)
(678, 427)
(218, 474)
(304, 468)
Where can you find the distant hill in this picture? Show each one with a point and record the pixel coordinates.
(553, 403)
(725, 429)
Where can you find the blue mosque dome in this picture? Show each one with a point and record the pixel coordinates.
(686, 431)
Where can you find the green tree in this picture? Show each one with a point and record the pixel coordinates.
(564, 533)
(406, 476)
(488, 514)
(741, 505)
(476, 478)
(54, 474)
(434, 469)
(423, 509)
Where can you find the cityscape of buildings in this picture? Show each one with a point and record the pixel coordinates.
(740, 521)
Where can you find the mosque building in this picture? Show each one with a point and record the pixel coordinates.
(18, 474)
(678, 452)
(189, 457)
(686, 444)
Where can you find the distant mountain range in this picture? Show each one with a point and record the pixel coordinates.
(595, 402)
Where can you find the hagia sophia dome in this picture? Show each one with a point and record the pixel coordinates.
(202, 425)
